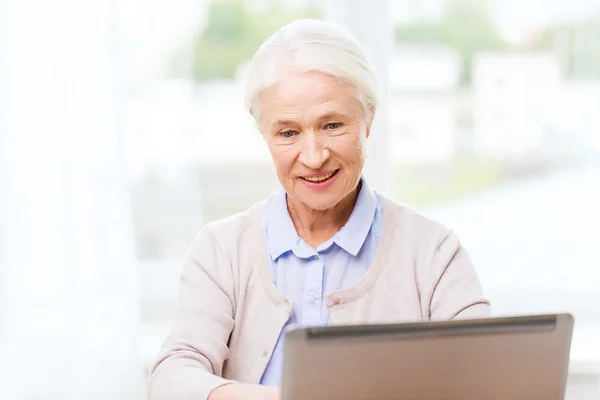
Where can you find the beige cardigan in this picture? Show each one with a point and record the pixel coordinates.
(230, 313)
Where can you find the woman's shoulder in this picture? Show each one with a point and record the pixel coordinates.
(232, 241)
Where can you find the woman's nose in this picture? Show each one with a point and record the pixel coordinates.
(314, 153)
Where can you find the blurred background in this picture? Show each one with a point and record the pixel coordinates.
(122, 131)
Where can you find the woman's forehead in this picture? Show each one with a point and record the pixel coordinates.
(306, 94)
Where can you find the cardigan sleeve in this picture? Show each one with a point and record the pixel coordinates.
(190, 363)
(457, 292)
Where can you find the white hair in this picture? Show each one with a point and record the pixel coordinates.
(309, 45)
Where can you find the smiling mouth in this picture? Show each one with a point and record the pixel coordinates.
(322, 178)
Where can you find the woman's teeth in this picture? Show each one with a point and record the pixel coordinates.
(321, 178)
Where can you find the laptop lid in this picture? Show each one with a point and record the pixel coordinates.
(516, 358)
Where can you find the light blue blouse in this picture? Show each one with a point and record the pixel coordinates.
(305, 275)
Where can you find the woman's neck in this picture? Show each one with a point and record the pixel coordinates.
(318, 226)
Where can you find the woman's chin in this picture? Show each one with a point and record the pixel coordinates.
(321, 201)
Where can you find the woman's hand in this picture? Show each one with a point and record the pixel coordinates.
(243, 391)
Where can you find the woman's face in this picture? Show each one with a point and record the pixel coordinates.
(316, 129)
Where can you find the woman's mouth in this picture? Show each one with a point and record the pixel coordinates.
(321, 178)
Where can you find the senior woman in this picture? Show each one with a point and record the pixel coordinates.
(326, 249)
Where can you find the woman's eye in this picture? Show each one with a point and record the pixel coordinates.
(333, 125)
(287, 134)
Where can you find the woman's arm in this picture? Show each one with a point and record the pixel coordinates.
(190, 364)
(456, 291)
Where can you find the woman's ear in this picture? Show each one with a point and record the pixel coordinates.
(372, 111)
(370, 117)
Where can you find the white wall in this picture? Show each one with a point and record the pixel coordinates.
(69, 305)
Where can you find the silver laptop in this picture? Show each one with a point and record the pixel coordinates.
(515, 358)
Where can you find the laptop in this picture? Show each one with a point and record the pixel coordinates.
(513, 358)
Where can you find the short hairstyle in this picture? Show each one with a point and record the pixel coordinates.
(309, 45)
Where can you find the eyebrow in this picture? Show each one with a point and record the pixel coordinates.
(283, 122)
(330, 115)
